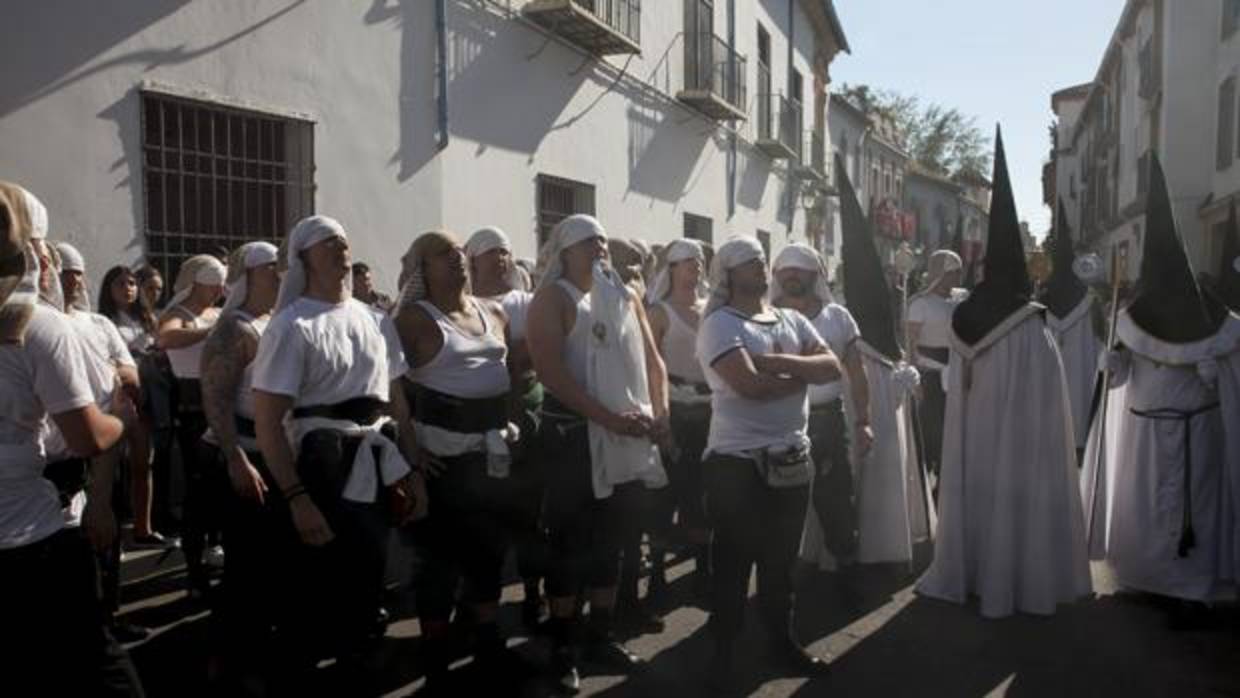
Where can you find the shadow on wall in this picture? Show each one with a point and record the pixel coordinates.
(665, 146)
(125, 114)
(415, 108)
(756, 172)
(34, 72)
(508, 86)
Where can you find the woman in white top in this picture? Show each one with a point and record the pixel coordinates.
(183, 330)
(676, 300)
(121, 302)
(929, 338)
(494, 274)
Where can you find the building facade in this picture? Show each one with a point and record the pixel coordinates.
(160, 129)
(1166, 85)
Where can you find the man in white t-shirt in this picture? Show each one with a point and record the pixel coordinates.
(759, 362)
(332, 364)
(929, 339)
(51, 607)
(801, 283)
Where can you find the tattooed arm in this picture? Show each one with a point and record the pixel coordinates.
(228, 350)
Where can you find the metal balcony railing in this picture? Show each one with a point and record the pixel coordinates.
(812, 156)
(601, 26)
(779, 126)
(714, 77)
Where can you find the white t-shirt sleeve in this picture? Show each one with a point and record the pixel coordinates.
(917, 311)
(59, 369)
(720, 333)
(395, 353)
(280, 360)
(118, 351)
(807, 335)
(849, 330)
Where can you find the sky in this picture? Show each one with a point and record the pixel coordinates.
(997, 60)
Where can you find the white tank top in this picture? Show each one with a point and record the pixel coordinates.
(245, 394)
(466, 366)
(679, 347)
(578, 339)
(187, 361)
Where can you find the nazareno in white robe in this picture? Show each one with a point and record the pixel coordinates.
(1011, 529)
(1138, 510)
(1079, 347)
(892, 494)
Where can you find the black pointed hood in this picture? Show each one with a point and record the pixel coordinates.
(865, 285)
(1064, 290)
(1169, 304)
(1005, 285)
(1228, 279)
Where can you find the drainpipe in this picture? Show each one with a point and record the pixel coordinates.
(794, 185)
(441, 50)
(732, 77)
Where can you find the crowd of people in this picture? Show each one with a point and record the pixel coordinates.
(591, 415)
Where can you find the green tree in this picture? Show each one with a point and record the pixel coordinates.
(941, 139)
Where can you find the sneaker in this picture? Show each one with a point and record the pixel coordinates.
(214, 557)
(126, 633)
(564, 669)
(612, 654)
(154, 541)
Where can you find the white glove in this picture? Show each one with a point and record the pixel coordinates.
(906, 377)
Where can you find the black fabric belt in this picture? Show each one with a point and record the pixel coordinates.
(562, 417)
(699, 388)
(189, 395)
(829, 407)
(463, 415)
(939, 354)
(245, 427)
(70, 476)
(359, 410)
(1188, 539)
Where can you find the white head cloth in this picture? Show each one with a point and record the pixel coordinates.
(486, 239)
(940, 264)
(38, 215)
(249, 256)
(678, 251)
(199, 269)
(26, 293)
(565, 234)
(72, 260)
(730, 255)
(801, 256)
(414, 287)
(307, 233)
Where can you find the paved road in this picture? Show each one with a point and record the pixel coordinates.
(884, 640)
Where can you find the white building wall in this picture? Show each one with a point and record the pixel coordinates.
(519, 105)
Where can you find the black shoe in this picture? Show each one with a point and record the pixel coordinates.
(564, 670)
(610, 653)
(126, 633)
(382, 619)
(532, 612)
(637, 617)
(798, 660)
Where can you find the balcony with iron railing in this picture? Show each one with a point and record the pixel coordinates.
(812, 156)
(603, 27)
(779, 126)
(714, 77)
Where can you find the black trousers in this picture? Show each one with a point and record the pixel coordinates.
(259, 541)
(585, 534)
(463, 538)
(207, 491)
(336, 587)
(834, 494)
(931, 409)
(56, 640)
(754, 524)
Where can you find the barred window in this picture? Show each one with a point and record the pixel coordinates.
(557, 199)
(699, 228)
(215, 177)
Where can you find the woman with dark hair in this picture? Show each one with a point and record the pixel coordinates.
(121, 302)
